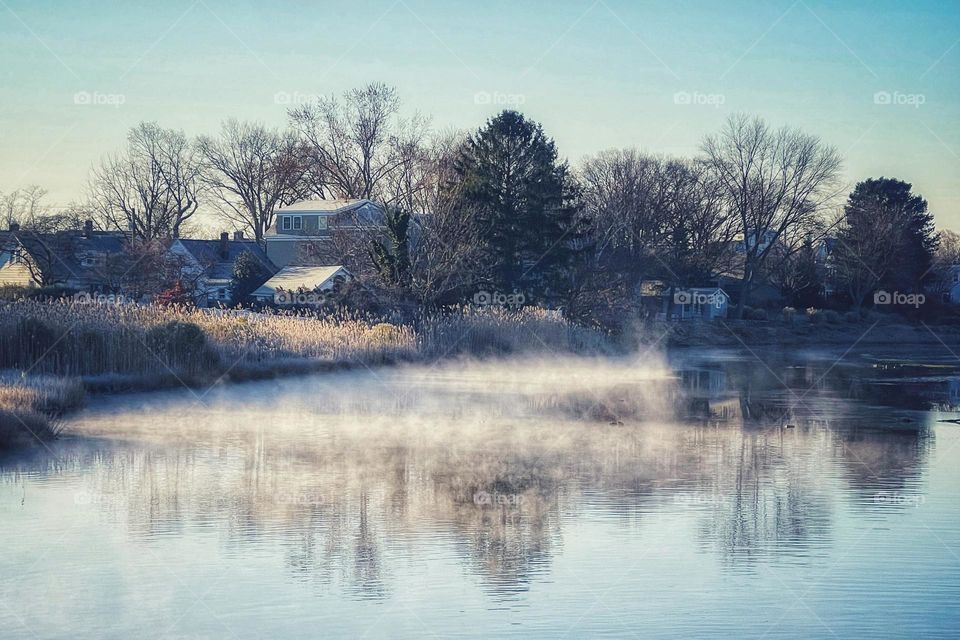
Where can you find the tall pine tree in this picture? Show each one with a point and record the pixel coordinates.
(526, 202)
(887, 207)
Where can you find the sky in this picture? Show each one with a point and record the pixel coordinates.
(879, 80)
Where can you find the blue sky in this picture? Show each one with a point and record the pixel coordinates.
(597, 73)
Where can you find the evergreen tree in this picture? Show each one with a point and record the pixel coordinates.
(888, 207)
(526, 203)
(248, 274)
(393, 264)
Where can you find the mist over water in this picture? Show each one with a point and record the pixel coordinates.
(701, 494)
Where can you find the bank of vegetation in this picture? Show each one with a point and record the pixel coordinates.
(55, 350)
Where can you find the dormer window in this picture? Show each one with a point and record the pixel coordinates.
(297, 223)
(91, 260)
(285, 223)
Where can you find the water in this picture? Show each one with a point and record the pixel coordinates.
(715, 494)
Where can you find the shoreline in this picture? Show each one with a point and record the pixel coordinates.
(34, 406)
(740, 333)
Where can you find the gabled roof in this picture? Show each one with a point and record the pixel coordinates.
(218, 264)
(324, 206)
(295, 278)
(63, 252)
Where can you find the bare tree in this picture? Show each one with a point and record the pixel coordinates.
(152, 187)
(360, 147)
(252, 170)
(655, 216)
(447, 250)
(23, 206)
(777, 182)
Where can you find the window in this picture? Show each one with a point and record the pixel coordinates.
(322, 222)
(285, 223)
(297, 223)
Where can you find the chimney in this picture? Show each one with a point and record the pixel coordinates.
(224, 240)
(238, 235)
(87, 228)
(14, 226)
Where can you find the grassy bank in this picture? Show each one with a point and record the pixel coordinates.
(31, 405)
(104, 348)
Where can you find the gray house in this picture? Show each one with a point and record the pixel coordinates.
(310, 226)
(207, 265)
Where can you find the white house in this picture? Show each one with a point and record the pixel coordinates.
(302, 284)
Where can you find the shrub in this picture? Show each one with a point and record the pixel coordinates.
(830, 316)
(851, 316)
(181, 345)
(758, 314)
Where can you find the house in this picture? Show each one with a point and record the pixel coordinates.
(705, 303)
(949, 285)
(660, 300)
(299, 284)
(309, 227)
(83, 260)
(207, 266)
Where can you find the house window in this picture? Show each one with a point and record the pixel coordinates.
(221, 294)
(285, 223)
(322, 222)
(297, 223)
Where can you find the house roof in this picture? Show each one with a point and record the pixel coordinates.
(62, 253)
(219, 265)
(294, 278)
(324, 206)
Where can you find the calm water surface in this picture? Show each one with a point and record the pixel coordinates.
(714, 494)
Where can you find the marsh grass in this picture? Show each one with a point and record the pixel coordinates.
(30, 406)
(59, 347)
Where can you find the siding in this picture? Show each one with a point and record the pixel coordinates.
(14, 274)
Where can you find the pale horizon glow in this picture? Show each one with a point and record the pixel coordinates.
(75, 76)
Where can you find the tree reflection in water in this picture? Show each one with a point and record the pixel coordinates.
(350, 470)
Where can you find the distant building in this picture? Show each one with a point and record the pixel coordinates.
(74, 259)
(683, 303)
(293, 279)
(208, 265)
(309, 227)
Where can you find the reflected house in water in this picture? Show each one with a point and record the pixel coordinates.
(707, 393)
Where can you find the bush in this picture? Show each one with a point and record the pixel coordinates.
(830, 316)
(757, 314)
(181, 345)
(851, 317)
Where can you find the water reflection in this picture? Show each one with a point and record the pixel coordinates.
(345, 472)
(364, 486)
